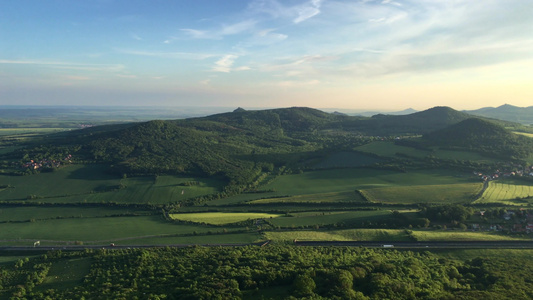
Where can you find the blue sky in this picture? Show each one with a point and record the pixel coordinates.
(368, 54)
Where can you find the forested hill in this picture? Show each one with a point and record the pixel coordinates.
(240, 145)
(482, 136)
(506, 112)
(416, 123)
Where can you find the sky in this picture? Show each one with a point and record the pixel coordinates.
(367, 54)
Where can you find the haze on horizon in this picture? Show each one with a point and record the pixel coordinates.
(381, 54)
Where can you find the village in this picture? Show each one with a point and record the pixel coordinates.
(46, 163)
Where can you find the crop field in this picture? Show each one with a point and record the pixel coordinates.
(95, 230)
(507, 193)
(346, 160)
(449, 193)
(326, 218)
(91, 183)
(462, 236)
(340, 235)
(220, 238)
(336, 197)
(389, 149)
(220, 218)
(27, 213)
(342, 180)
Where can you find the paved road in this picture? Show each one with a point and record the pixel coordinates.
(383, 244)
(433, 244)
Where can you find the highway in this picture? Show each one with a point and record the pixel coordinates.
(379, 244)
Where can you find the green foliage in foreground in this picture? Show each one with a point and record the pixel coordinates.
(252, 273)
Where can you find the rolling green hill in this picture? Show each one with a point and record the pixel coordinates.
(482, 136)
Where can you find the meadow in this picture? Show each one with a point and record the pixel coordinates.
(451, 235)
(93, 184)
(507, 193)
(448, 193)
(221, 218)
(340, 235)
(32, 213)
(294, 220)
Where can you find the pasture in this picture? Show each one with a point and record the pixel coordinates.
(327, 218)
(389, 149)
(92, 184)
(445, 194)
(94, 230)
(335, 197)
(340, 235)
(507, 193)
(204, 239)
(343, 180)
(346, 160)
(449, 235)
(33, 213)
(221, 218)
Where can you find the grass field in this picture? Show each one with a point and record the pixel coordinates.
(94, 230)
(340, 235)
(389, 149)
(343, 180)
(462, 236)
(25, 213)
(508, 193)
(220, 218)
(91, 183)
(449, 193)
(346, 160)
(225, 238)
(326, 218)
(336, 197)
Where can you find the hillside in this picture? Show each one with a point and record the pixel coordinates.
(506, 112)
(236, 146)
(482, 136)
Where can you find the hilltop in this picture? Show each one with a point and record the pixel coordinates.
(506, 112)
(482, 136)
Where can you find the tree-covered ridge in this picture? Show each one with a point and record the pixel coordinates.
(254, 272)
(483, 136)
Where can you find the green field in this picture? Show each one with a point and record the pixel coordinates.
(340, 235)
(220, 218)
(462, 236)
(28, 131)
(327, 218)
(508, 193)
(66, 273)
(342, 180)
(94, 230)
(92, 184)
(32, 213)
(346, 160)
(389, 149)
(336, 197)
(449, 193)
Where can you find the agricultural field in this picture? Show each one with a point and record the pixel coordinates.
(389, 149)
(294, 220)
(346, 160)
(33, 213)
(28, 131)
(340, 235)
(445, 194)
(336, 197)
(101, 230)
(92, 184)
(221, 218)
(507, 193)
(451, 235)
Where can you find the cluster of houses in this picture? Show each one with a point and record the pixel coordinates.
(522, 171)
(521, 222)
(46, 163)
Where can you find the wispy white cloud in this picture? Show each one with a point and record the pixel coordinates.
(225, 64)
(220, 32)
(307, 11)
(135, 37)
(67, 65)
(175, 55)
